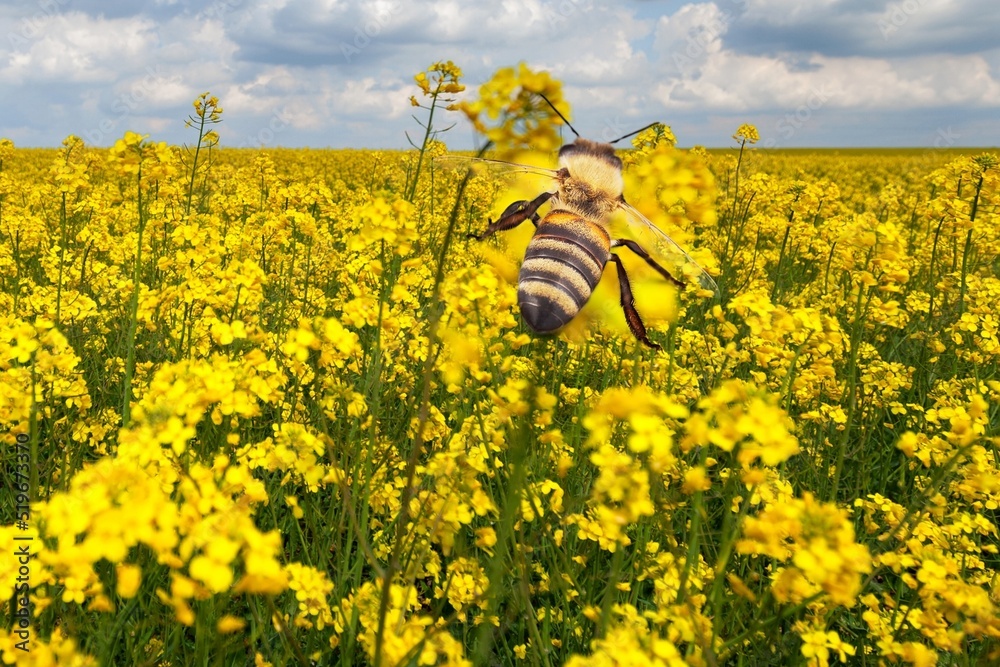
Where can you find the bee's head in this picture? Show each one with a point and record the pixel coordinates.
(594, 163)
(589, 150)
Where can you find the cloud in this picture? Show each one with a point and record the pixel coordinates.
(339, 72)
(861, 27)
(77, 48)
(741, 82)
(706, 71)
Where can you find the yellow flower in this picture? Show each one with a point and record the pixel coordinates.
(207, 104)
(216, 575)
(631, 644)
(446, 77)
(293, 502)
(746, 134)
(817, 644)
(736, 417)
(312, 587)
(467, 584)
(58, 650)
(818, 539)
(512, 97)
(229, 624)
(486, 538)
(696, 479)
(129, 577)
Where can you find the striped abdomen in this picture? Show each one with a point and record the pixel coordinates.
(562, 265)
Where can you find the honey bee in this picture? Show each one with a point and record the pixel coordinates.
(572, 243)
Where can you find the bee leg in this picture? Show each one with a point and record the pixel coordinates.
(628, 305)
(514, 215)
(637, 249)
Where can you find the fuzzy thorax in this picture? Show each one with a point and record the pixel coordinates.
(591, 183)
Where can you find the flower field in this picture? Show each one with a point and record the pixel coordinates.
(278, 408)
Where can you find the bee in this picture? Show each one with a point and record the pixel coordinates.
(572, 243)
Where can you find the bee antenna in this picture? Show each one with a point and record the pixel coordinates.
(626, 136)
(559, 114)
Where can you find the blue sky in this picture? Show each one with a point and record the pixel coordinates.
(336, 73)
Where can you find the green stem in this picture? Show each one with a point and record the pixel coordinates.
(732, 216)
(930, 279)
(194, 164)
(829, 262)
(736, 183)
(781, 258)
(409, 489)
(133, 309)
(16, 251)
(757, 628)
(730, 531)
(968, 247)
(33, 493)
(694, 535)
(411, 193)
(609, 590)
(852, 390)
(787, 384)
(62, 258)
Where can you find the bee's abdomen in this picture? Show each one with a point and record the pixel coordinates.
(562, 265)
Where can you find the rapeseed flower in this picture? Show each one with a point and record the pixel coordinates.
(818, 643)
(746, 133)
(580, 498)
(512, 97)
(816, 542)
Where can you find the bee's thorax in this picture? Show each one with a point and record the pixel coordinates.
(590, 181)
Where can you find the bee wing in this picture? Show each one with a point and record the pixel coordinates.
(502, 172)
(666, 251)
(498, 165)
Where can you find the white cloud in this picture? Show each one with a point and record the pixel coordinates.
(339, 72)
(368, 97)
(727, 81)
(856, 27)
(689, 37)
(793, 12)
(77, 48)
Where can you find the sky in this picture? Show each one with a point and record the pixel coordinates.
(338, 73)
